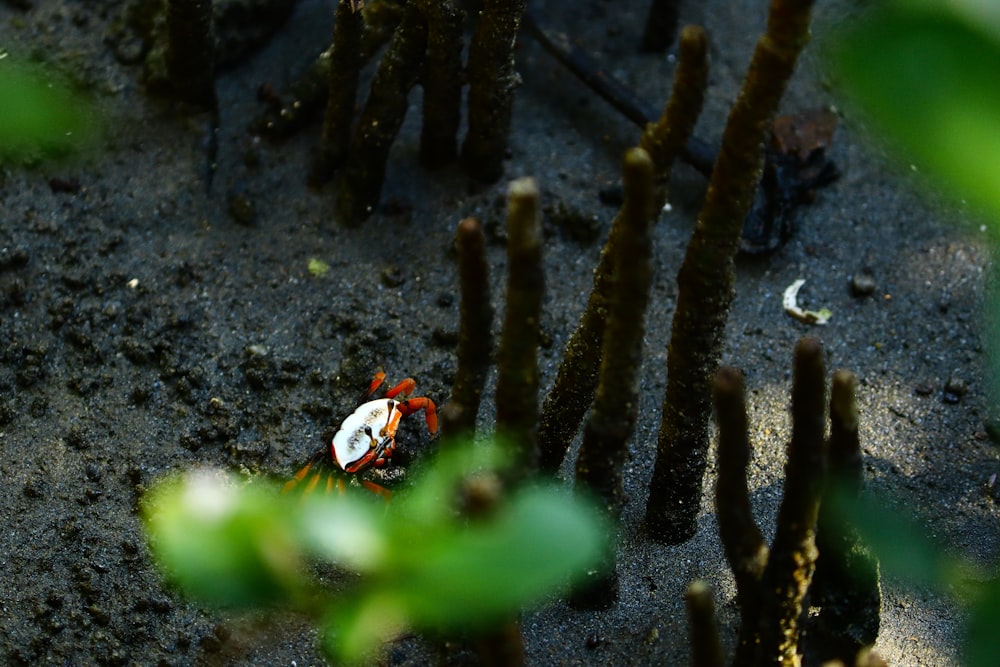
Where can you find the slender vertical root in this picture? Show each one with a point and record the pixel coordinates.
(845, 585)
(289, 112)
(846, 467)
(292, 110)
(706, 651)
(576, 380)
(604, 450)
(741, 538)
(573, 391)
(381, 17)
(661, 25)
(342, 78)
(381, 119)
(492, 80)
(793, 553)
(705, 281)
(501, 644)
(517, 382)
(442, 81)
(191, 52)
(665, 139)
(475, 340)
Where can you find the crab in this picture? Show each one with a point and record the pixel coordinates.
(366, 439)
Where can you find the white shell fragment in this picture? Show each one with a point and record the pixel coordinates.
(788, 301)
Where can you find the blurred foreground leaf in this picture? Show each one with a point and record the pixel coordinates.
(40, 116)
(927, 71)
(900, 543)
(222, 542)
(904, 551)
(982, 641)
(424, 565)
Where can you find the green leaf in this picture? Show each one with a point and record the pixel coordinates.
(355, 629)
(39, 115)
(345, 531)
(317, 267)
(226, 544)
(537, 543)
(901, 544)
(982, 646)
(430, 503)
(927, 72)
(424, 564)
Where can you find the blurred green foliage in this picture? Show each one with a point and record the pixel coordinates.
(40, 115)
(424, 563)
(905, 552)
(927, 72)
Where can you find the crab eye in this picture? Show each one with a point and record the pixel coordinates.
(371, 436)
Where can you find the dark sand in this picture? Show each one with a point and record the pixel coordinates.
(125, 336)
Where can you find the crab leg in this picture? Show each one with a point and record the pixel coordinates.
(411, 405)
(378, 490)
(376, 383)
(303, 471)
(405, 387)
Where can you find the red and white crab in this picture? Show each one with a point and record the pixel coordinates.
(366, 438)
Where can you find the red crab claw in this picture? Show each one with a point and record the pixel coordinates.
(411, 405)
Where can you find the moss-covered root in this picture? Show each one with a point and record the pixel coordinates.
(573, 390)
(604, 450)
(845, 585)
(381, 18)
(661, 25)
(517, 358)
(576, 380)
(741, 538)
(442, 81)
(793, 552)
(475, 340)
(665, 139)
(342, 82)
(291, 111)
(381, 119)
(704, 634)
(492, 80)
(705, 280)
(502, 644)
(191, 52)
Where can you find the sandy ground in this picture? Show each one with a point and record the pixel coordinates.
(128, 308)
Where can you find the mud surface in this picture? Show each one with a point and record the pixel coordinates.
(148, 325)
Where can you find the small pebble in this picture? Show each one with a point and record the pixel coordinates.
(13, 257)
(862, 283)
(954, 390)
(240, 206)
(392, 276)
(61, 185)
